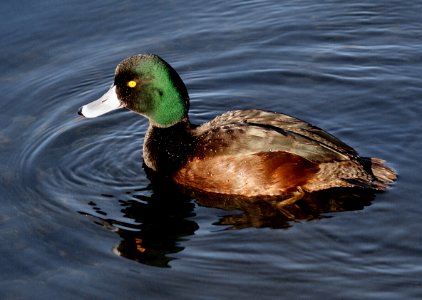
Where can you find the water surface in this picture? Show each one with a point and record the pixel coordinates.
(81, 219)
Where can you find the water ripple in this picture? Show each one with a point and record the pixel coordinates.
(81, 157)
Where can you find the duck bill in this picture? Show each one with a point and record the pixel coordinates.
(108, 102)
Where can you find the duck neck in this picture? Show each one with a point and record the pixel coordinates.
(167, 148)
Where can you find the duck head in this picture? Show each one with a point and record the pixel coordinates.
(147, 85)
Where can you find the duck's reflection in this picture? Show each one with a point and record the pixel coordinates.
(313, 206)
(162, 220)
(155, 225)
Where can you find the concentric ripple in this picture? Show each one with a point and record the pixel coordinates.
(89, 158)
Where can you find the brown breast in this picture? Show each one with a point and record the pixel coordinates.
(250, 175)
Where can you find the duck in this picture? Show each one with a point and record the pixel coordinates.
(255, 154)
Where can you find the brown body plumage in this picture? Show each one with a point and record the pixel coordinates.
(255, 153)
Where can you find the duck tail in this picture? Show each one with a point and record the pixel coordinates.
(384, 176)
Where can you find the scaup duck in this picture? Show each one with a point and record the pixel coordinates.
(248, 153)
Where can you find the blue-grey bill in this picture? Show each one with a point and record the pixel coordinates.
(108, 102)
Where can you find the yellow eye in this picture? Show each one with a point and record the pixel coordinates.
(131, 84)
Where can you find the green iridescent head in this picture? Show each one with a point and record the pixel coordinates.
(145, 84)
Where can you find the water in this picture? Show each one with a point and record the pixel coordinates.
(80, 219)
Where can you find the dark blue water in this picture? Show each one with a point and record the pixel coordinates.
(80, 219)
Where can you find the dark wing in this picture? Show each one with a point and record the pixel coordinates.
(253, 131)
